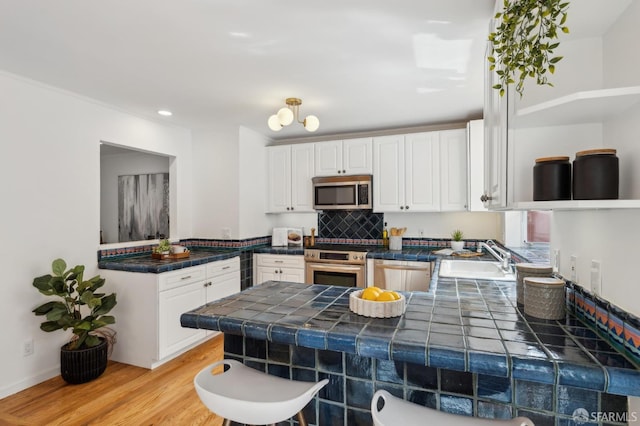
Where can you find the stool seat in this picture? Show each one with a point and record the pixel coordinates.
(397, 411)
(245, 395)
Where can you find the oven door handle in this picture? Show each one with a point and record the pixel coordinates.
(334, 267)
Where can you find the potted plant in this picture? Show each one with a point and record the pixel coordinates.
(524, 41)
(457, 243)
(83, 310)
(163, 247)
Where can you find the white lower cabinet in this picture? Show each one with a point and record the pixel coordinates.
(278, 267)
(150, 305)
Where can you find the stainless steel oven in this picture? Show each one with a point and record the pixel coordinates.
(335, 267)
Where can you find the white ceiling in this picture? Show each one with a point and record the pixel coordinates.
(358, 65)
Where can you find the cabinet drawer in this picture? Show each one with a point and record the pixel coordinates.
(287, 261)
(223, 267)
(169, 280)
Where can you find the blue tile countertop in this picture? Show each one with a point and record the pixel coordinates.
(463, 325)
(145, 263)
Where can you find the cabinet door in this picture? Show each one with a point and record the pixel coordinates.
(417, 276)
(223, 286)
(266, 273)
(453, 170)
(302, 170)
(388, 166)
(173, 303)
(495, 142)
(475, 172)
(293, 275)
(328, 158)
(422, 172)
(357, 156)
(279, 179)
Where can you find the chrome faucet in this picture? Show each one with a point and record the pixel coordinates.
(499, 253)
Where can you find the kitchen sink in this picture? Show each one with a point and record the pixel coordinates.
(475, 270)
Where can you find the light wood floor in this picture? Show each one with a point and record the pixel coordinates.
(123, 395)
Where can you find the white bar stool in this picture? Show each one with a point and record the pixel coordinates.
(397, 411)
(244, 395)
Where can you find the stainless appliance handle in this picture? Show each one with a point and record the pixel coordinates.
(334, 267)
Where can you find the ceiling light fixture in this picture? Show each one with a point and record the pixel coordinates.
(165, 113)
(286, 115)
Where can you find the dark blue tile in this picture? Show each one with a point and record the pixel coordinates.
(456, 382)
(303, 374)
(255, 348)
(447, 358)
(358, 366)
(359, 418)
(303, 357)
(279, 370)
(278, 353)
(486, 363)
(423, 398)
(446, 340)
(342, 342)
(389, 371)
(491, 410)
(331, 414)
(409, 352)
(334, 390)
(230, 325)
(534, 395)
(283, 334)
(525, 349)
(359, 393)
(311, 338)
(373, 347)
(581, 375)
(234, 344)
(256, 365)
(330, 361)
(456, 405)
(422, 376)
(494, 388)
(256, 330)
(538, 370)
(570, 399)
(623, 382)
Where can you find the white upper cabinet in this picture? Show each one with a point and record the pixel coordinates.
(453, 170)
(475, 169)
(421, 172)
(348, 157)
(290, 173)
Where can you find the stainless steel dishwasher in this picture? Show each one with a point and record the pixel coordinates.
(401, 275)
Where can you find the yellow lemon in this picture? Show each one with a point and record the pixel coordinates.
(370, 293)
(388, 296)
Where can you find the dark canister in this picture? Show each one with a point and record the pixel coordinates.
(595, 175)
(552, 179)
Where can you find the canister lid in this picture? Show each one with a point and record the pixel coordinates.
(534, 267)
(543, 281)
(600, 151)
(549, 159)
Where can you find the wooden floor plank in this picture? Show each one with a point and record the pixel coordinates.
(124, 395)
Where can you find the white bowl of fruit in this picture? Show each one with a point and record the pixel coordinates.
(377, 303)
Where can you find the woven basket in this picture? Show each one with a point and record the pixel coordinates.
(544, 298)
(524, 270)
(83, 365)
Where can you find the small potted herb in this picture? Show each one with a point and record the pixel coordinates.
(457, 242)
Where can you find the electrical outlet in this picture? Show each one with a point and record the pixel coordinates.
(556, 260)
(574, 269)
(226, 233)
(27, 347)
(421, 232)
(596, 276)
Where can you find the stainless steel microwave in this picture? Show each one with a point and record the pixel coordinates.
(342, 192)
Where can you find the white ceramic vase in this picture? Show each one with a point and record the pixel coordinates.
(457, 245)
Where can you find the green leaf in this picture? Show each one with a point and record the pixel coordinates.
(58, 267)
(108, 302)
(49, 326)
(45, 308)
(565, 30)
(92, 341)
(555, 60)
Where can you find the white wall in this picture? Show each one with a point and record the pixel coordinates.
(112, 166)
(50, 169)
(215, 183)
(475, 225)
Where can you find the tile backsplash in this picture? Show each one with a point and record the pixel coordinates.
(350, 224)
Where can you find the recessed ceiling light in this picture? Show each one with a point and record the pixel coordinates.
(165, 113)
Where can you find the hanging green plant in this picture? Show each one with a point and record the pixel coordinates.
(524, 41)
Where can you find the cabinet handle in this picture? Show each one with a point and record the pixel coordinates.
(226, 267)
(287, 208)
(401, 207)
(275, 272)
(278, 261)
(186, 278)
(484, 198)
(280, 270)
(207, 284)
(406, 207)
(291, 208)
(344, 171)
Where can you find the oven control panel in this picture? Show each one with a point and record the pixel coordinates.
(335, 256)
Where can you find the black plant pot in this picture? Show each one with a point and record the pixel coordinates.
(83, 365)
